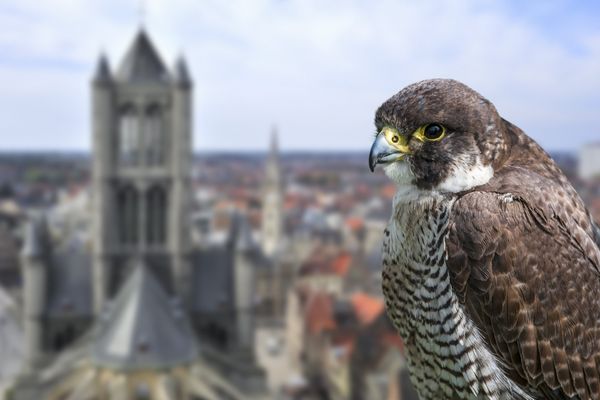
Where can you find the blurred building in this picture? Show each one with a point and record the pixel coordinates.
(11, 218)
(12, 347)
(132, 309)
(589, 161)
(223, 277)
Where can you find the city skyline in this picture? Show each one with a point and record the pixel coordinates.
(316, 71)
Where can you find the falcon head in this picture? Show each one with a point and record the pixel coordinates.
(438, 135)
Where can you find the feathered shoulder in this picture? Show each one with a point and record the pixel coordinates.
(525, 265)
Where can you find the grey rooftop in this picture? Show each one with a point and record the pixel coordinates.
(143, 328)
(142, 63)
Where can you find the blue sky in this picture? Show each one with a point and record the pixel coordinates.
(317, 69)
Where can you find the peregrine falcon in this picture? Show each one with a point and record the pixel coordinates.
(491, 264)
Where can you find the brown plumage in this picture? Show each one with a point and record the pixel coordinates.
(521, 250)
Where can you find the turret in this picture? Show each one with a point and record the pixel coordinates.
(181, 156)
(35, 255)
(103, 142)
(102, 75)
(181, 74)
(245, 256)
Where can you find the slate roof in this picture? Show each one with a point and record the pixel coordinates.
(69, 269)
(212, 279)
(143, 328)
(36, 241)
(9, 256)
(142, 63)
(70, 282)
(241, 234)
(213, 266)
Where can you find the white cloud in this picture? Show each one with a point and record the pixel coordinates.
(318, 69)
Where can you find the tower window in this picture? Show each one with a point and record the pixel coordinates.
(156, 212)
(128, 209)
(128, 137)
(154, 145)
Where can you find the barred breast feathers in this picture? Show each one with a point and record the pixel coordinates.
(445, 349)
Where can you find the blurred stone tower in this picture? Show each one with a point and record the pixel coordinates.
(272, 207)
(246, 254)
(142, 141)
(35, 253)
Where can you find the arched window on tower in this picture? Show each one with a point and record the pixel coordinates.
(154, 143)
(129, 143)
(128, 209)
(156, 215)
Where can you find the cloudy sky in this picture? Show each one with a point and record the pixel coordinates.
(317, 69)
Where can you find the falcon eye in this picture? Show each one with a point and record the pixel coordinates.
(434, 132)
(394, 139)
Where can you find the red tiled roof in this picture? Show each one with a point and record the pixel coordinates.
(319, 313)
(367, 308)
(355, 223)
(341, 264)
(326, 260)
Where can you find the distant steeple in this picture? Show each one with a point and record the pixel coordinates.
(272, 213)
(102, 74)
(142, 62)
(181, 73)
(273, 173)
(274, 148)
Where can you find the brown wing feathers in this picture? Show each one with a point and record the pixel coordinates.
(531, 288)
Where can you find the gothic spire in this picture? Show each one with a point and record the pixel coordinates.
(181, 72)
(272, 213)
(142, 63)
(272, 170)
(274, 148)
(102, 74)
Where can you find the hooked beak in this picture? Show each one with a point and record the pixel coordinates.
(383, 152)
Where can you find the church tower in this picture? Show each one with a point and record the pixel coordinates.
(142, 141)
(272, 207)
